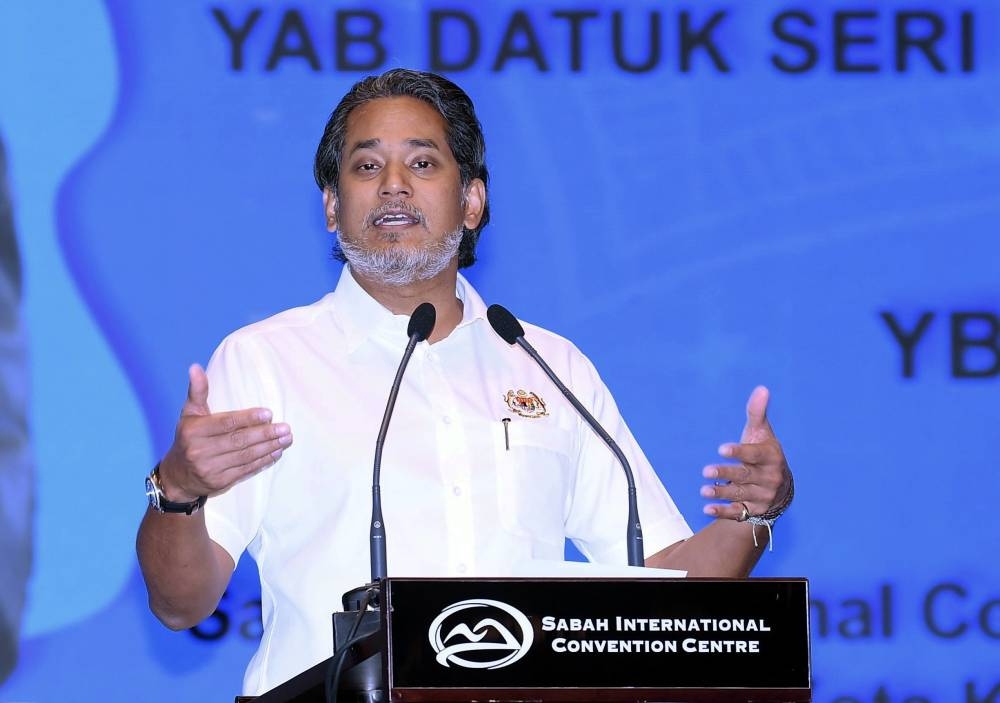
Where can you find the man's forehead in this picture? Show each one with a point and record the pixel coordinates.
(398, 120)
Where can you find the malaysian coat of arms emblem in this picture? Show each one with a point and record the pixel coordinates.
(525, 403)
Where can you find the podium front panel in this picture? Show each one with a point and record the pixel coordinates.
(592, 639)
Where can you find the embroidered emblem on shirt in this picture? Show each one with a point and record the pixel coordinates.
(525, 403)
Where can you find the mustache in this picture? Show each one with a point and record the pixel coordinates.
(394, 206)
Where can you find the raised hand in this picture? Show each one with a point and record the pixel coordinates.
(761, 481)
(211, 452)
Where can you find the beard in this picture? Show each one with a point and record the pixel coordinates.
(398, 264)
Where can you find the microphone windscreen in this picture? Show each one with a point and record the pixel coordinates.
(422, 322)
(504, 324)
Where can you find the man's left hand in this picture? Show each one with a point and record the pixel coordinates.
(761, 480)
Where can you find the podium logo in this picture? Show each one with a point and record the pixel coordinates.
(487, 633)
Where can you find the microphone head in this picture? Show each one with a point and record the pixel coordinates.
(504, 324)
(422, 322)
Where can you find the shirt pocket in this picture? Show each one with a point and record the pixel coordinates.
(534, 479)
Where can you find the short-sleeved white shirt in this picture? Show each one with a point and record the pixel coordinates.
(456, 501)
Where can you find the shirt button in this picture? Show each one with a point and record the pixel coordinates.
(462, 568)
(446, 419)
(457, 490)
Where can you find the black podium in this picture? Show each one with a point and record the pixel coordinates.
(610, 640)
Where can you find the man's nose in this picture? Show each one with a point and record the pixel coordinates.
(395, 181)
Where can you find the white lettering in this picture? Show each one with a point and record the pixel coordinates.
(564, 645)
(678, 625)
(550, 624)
(719, 646)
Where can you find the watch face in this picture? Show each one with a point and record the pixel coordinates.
(159, 501)
(152, 494)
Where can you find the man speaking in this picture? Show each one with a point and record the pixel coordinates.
(487, 464)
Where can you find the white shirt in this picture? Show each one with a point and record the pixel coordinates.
(457, 502)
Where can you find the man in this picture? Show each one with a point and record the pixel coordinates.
(16, 461)
(473, 481)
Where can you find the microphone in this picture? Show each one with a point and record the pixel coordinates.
(420, 327)
(356, 631)
(511, 331)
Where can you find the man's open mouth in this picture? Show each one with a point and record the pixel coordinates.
(396, 218)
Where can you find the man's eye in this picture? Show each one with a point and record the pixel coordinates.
(422, 164)
(367, 167)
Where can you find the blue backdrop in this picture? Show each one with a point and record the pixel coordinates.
(703, 196)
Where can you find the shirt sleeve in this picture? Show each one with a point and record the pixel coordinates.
(237, 381)
(598, 515)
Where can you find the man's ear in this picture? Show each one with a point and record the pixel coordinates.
(330, 209)
(475, 202)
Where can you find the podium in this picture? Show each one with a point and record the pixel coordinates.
(602, 640)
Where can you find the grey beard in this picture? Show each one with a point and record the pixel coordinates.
(399, 266)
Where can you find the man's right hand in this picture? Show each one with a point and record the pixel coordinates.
(211, 452)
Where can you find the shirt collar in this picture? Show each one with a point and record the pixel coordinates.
(362, 317)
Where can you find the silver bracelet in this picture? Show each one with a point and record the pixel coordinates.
(771, 515)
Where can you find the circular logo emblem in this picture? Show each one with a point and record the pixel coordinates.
(487, 633)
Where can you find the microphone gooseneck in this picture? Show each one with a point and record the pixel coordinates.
(511, 331)
(419, 328)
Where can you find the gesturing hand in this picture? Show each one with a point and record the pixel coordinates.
(211, 452)
(762, 480)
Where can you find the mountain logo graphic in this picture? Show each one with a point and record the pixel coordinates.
(489, 634)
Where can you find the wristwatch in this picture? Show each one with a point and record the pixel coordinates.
(158, 500)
